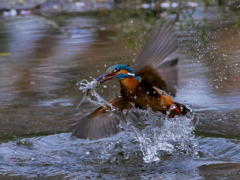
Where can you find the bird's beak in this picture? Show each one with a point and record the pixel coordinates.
(105, 77)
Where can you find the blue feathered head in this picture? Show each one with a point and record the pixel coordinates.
(121, 71)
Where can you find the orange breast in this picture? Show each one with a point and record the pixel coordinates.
(130, 83)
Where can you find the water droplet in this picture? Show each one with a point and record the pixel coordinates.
(13, 12)
(91, 95)
(162, 134)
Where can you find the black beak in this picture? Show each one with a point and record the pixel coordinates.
(105, 77)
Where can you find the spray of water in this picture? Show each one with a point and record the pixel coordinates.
(90, 94)
(156, 133)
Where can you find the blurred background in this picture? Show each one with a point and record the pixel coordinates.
(47, 46)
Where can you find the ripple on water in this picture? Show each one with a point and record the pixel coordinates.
(118, 156)
(60, 154)
(56, 102)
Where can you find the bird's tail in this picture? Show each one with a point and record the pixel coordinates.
(178, 109)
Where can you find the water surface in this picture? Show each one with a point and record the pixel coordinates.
(42, 59)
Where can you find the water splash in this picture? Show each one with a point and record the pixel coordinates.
(157, 134)
(90, 94)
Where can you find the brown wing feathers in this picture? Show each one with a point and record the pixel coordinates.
(101, 123)
(156, 63)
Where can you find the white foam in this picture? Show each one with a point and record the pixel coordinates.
(158, 133)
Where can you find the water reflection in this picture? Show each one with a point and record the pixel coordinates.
(47, 59)
(225, 60)
(214, 74)
(210, 78)
(38, 94)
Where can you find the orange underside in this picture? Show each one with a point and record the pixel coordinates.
(130, 83)
(169, 101)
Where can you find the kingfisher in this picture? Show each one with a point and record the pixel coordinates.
(150, 83)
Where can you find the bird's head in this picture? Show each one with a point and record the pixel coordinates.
(120, 71)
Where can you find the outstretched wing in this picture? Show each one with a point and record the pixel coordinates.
(157, 61)
(102, 122)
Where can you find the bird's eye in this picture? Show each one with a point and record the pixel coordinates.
(115, 70)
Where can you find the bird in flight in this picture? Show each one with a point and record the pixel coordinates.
(150, 83)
